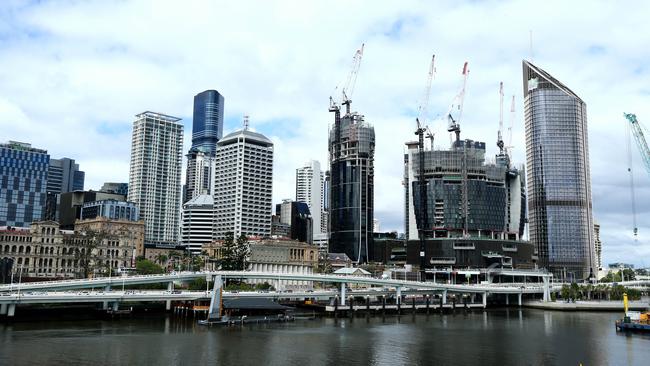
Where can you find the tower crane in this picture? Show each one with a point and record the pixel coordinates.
(346, 92)
(500, 143)
(422, 182)
(454, 124)
(642, 145)
(509, 147)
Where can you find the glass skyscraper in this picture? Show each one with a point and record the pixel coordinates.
(207, 126)
(559, 195)
(207, 129)
(352, 154)
(23, 182)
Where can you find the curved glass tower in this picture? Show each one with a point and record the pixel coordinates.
(207, 126)
(352, 154)
(559, 183)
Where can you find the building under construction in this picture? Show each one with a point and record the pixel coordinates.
(475, 211)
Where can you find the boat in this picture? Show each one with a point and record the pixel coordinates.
(633, 320)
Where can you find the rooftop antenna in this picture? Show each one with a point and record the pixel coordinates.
(246, 122)
(531, 44)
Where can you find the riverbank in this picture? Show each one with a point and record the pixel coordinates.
(640, 305)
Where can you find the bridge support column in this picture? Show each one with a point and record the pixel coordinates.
(399, 295)
(547, 290)
(3, 309)
(443, 301)
(519, 298)
(507, 299)
(11, 310)
(116, 306)
(343, 294)
(105, 305)
(484, 296)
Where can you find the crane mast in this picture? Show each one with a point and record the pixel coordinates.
(500, 143)
(422, 182)
(454, 124)
(642, 145)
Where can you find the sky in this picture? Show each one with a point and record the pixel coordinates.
(74, 73)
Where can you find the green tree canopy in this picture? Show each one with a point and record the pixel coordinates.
(146, 266)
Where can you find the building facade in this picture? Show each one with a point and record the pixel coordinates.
(243, 188)
(297, 217)
(155, 174)
(196, 229)
(23, 183)
(111, 209)
(309, 189)
(207, 129)
(118, 188)
(598, 247)
(45, 251)
(559, 182)
(63, 175)
(351, 200)
(71, 205)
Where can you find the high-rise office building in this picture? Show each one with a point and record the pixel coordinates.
(309, 189)
(63, 176)
(243, 187)
(155, 174)
(352, 152)
(119, 188)
(559, 183)
(207, 129)
(296, 215)
(196, 229)
(23, 183)
(598, 247)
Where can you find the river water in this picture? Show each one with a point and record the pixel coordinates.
(493, 337)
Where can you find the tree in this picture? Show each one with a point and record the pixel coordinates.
(229, 253)
(242, 252)
(146, 266)
(161, 259)
(85, 252)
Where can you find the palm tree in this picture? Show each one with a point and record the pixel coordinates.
(161, 259)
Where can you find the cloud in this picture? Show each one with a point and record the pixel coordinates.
(74, 73)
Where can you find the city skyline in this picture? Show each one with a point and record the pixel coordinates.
(289, 104)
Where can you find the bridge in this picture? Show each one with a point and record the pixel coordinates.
(59, 291)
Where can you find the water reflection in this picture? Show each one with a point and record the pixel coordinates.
(500, 337)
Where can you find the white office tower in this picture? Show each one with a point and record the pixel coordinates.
(200, 174)
(309, 189)
(243, 187)
(155, 174)
(196, 229)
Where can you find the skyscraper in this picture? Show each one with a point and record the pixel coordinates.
(559, 183)
(243, 188)
(23, 182)
(63, 176)
(352, 152)
(309, 189)
(197, 222)
(207, 129)
(155, 174)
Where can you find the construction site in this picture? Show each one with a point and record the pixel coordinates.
(459, 209)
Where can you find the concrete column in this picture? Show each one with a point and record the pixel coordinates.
(399, 295)
(547, 290)
(444, 297)
(105, 305)
(484, 296)
(519, 298)
(168, 305)
(507, 299)
(107, 288)
(116, 305)
(170, 286)
(11, 310)
(343, 294)
(3, 309)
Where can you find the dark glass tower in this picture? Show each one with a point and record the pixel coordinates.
(207, 129)
(352, 152)
(559, 195)
(207, 126)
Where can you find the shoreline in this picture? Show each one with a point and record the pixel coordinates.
(587, 305)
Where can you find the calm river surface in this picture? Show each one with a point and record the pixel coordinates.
(494, 337)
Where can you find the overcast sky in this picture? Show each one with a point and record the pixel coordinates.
(74, 73)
